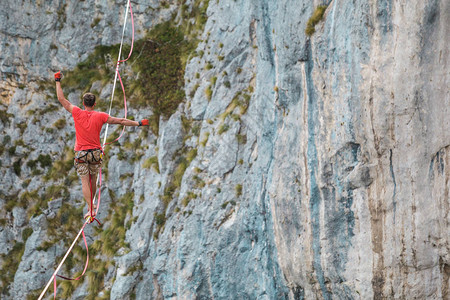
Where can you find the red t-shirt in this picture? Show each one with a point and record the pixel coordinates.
(88, 125)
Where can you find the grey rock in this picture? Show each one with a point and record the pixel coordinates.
(332, 184)
(20, 216)
(171, 137)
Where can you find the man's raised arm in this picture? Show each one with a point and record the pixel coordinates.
(59, 92)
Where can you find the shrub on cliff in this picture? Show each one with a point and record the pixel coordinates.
(316, 17)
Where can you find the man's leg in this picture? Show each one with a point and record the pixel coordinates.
(94, 188)
(85, 186)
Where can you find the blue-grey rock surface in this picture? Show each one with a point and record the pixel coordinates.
(321, 167)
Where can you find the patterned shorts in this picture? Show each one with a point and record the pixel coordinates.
(88, 161)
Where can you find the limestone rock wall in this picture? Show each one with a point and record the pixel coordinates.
(318, 167)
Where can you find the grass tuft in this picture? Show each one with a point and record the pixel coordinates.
(316, 17)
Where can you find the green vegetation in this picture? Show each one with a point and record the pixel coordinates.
(194, 89)
(241, 138)
(205, 140)
(60, 124)
(238, 190)
(10, 264)
(98, 66)
(60, 166)
(161, 69)
(95, 22)
(225, 204)
(209, 66)
(26, 233)
(152, 162)
(184, 157)
(199, 183)
(223, 128)
(190, 196)
(316, 17)
(208, 92)
(112, 238)
(12, 150)
(195, 19)
(160, 64)
(17, 167)
(4, 116)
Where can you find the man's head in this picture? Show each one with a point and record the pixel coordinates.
(89, 100)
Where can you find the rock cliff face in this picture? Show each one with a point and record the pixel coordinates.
(296, 168)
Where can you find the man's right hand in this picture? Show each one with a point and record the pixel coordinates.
(144, 122)
(58, 76)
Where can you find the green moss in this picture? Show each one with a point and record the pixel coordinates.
(190, 196)
(241, 138)
(205, 140)
(191, 155)
(194, 89)
(161, 69)
(10, 264)
(199, 183)
(60, 166)
(26, 233)
(223, 128)
(6, 139)
(95, 22)
(186, 123)
(160, 219)
(196, 129)
(17, 167)
(60, 124)
(153, 121)
(152, 162)
(183, 162)
(209, 92)
(238, 190)
(44, 160)
(209, 66)
(96, 67)
(316, 17)
(4, 116)
(12, 150)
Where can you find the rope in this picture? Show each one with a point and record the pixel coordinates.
(61, 263)
(92, 218)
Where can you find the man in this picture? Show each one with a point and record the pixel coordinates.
(88, 153)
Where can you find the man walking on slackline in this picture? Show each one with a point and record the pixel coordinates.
(88, 153)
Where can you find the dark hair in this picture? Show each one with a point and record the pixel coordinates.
(89, 99)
